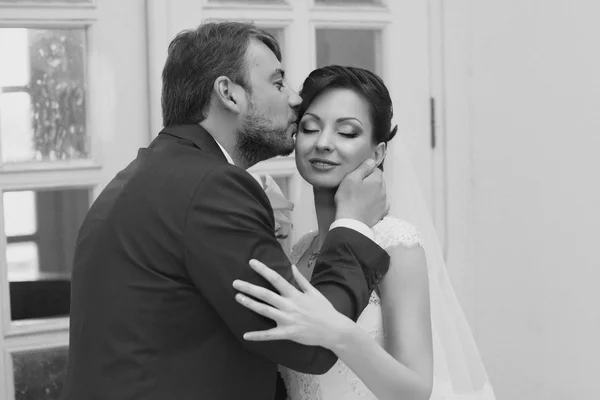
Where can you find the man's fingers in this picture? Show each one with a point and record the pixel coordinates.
(375, 175)
(260, 308)
(278, 282)
(260, 293)
(365, 169)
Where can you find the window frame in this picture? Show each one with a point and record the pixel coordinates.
(23, 344)
(56, 175)
(94, 157)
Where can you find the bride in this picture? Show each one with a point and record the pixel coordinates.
(412, 340)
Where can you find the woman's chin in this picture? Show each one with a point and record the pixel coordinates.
(323, 182)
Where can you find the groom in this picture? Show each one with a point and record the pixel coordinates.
(153, 314)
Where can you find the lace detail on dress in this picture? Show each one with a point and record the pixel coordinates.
(391, 232)
(340, 383)
(374, 299)
(300, 386)
(301, 246)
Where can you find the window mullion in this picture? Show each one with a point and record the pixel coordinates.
(300, 38)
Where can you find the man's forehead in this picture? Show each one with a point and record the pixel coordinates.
(260, 57)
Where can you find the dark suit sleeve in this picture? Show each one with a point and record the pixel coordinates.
(229, 222)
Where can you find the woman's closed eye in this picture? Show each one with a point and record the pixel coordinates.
(309, 128)
(349, 135)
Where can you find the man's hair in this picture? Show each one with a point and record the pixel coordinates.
(196, 58)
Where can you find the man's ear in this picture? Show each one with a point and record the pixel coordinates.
(379, 153)
(228, 94)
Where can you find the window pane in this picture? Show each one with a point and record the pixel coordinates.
(348, 47)
(40, 374)
(348, 2)
(39, 264)
(277, 34)
(15, 127)
(19, 213)
(249, 2)
(14, 68)
(46, 1)
(42, 94)
(23, 261)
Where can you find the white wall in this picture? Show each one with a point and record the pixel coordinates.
(523, 137)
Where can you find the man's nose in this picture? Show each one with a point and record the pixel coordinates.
(294, 99)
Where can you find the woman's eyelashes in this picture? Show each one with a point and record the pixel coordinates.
(349, 135)
(309, 128)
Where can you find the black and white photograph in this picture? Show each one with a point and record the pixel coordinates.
(299, 200)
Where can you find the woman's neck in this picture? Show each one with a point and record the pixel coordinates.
(325, 209)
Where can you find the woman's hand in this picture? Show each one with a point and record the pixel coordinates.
(304, 316)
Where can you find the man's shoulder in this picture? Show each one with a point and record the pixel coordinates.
(229, 180)
(186, 170)
(181, 161)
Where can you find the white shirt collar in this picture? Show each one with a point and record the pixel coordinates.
(225, 153)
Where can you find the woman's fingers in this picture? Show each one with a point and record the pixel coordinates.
(260, 293)
(260, 308)
(271, 334)
(278, 282)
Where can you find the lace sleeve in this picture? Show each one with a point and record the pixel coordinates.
(391, 232)
(301, 246)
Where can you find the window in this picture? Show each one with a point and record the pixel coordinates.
(41, 228)
(72, 114)
(43, 134)
(42, 95)
(39, 374)
(350, 47)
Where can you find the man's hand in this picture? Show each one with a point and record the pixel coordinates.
(362, 195)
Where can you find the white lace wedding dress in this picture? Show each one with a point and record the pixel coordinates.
(340, 383)
(459, 373)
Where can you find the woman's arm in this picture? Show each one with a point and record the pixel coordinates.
(404, 369)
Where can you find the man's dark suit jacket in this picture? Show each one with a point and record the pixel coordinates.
(153, 314)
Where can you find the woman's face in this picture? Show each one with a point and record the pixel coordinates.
(335, 136)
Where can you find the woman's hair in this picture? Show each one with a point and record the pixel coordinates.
(364, 83)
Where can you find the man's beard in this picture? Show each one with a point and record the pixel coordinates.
(259, 140)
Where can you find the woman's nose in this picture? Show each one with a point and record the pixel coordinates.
(324, 142)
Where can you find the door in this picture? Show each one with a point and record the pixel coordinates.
(524, 177)
(387, 37)
(72, 113)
